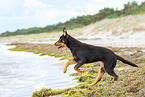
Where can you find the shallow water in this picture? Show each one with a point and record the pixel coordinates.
(23, 72)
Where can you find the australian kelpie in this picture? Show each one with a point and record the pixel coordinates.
(85, 53)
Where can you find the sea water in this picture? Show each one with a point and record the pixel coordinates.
(23, 72)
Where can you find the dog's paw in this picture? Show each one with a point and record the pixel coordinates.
(82, 70)
(64, 71)
(79, 70)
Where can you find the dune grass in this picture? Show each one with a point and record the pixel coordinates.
(117, 26)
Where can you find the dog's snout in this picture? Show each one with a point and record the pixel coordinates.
(56, 44)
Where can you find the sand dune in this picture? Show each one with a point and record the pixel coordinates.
(126, 31)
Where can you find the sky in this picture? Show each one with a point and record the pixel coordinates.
(23, 14)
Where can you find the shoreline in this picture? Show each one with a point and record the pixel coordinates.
(130, 80)
(125, 36)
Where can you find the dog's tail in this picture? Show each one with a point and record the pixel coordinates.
(125, 61)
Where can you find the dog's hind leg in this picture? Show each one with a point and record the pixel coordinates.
(112, 73)
(100, 75)
(67, 64)
(109, 68)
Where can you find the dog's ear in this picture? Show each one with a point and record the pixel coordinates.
(64, 32)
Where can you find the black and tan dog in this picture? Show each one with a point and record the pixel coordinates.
(84, 53)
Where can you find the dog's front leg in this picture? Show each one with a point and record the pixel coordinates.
(67, 64)
(79, 64)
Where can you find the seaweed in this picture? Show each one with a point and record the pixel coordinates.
(130, 83)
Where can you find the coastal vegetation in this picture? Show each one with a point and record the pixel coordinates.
(130, 82)
(131, 8)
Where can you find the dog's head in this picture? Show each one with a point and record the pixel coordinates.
(62, 40)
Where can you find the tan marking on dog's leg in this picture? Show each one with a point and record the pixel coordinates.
(78, 70)
(67, 64)
(100, 74)
(113, 79)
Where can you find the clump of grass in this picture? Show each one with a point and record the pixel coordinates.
(48, 92)
(123, 37)
(89, 39)
(82, 39)
(96, 39)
